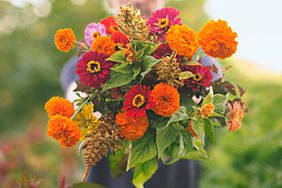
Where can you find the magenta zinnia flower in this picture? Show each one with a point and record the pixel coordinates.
(202, 76)
(137, 100)
(161, 20)
(93, 69)
(92, 31)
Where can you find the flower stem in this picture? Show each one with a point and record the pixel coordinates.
(81, 105)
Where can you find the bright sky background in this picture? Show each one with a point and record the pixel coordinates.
(259, 27)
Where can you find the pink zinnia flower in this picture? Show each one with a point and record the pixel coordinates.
(202, 76)
(92, 31)
(137, 100)
(93, 69)
(162, 19)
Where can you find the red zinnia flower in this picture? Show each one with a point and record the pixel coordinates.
(120, 39)
(93, 69)
(164, 50)
(137, 100)
(202, 76)
(110, 23)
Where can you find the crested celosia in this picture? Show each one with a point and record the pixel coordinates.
(132, 128)
(64, 130)
(217, 39)
(104, 45)
(59, 106)
(182, 39)
(167, 99)
(65, 39)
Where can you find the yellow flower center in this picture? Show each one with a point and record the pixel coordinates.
(93, 66)
(113, 28)
(163, 23)
(95, 34)
(197, 77)
(138, 100)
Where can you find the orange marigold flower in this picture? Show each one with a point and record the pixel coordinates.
(207, 110)
(132, 128)
(182, 39)
(235, 115)
(167, 99)
(64, 130)
(59, 106)
(217, 39)
(104, 45)
(65, 39)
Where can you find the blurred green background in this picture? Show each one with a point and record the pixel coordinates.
(30, 69)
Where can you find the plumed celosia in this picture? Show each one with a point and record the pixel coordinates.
(65, 39)
(59, 106)
(137, 100)
(217, 39)
(167, 99)
(86, 120)
(93, 69)
(202, 76)
(64, 130)
(92, 31)
(104, 45)
(182, 39)
(161, 20)
(132, 128)
(235, 115)
(110, 24)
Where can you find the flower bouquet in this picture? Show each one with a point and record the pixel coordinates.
(149, 91)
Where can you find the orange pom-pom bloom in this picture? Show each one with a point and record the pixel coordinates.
(182, 39)
(64, 130)
(59, 106)
(167, 99)
(65, 39)
(104, 45)
(207, 110)
(217, 39)
(132, 128)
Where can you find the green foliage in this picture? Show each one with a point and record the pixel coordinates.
(185, 75)
(165, 137)
(87, 185)
(118, 57)
(116, 162)
(219, 102)
(147, 63)
(144, 172)
(142, 150)
(209, 130)
(180, 115)
(209, 98)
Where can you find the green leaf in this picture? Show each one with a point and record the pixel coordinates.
(144, 172)
(147, 64)
(146, 47)
(180, 115)
(209, 130)
(142, 150)
(219, 102)
(123, 68)
(87, 185)
(199, 127)
(165, 137)
(192, 63)
(117, 57)
(136, 70)
(185, 75)
(118, 79)
(214, 114)
(116, 162)
(200, 153)
(209, 98)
